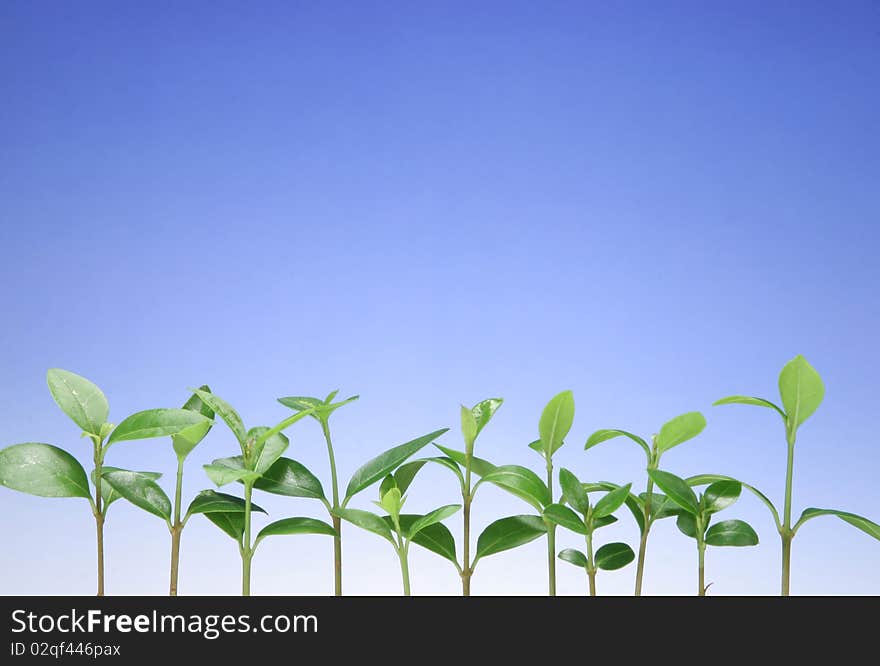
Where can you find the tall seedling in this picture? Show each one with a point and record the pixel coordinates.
(801, 391)
(291, 478)
(502, 534)
(261, 448)
(674, 432)
(48, 471)
(696, 515)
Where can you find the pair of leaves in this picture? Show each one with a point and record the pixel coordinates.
(320, 409)
(801, 391)
(475, 418)
(674, 432)
(609, 557)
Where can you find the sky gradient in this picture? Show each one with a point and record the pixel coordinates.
(429, 205)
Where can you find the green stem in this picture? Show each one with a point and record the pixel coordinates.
(176, 531)
(246, 550)
(99, 516)
(337, 523)
(551, 535)
(591, 568)
(701, 577)
(786, 533)
(404, 570)
(466, 570)
(643, 542)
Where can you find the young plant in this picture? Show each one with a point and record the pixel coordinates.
(584, 518)
(801, 392)
(674, 432)
(402, 530)
(261, 448)
(554, 426)
(696, 515)
(48, 471)
(322, 411)
(505, 533)
(141, 489)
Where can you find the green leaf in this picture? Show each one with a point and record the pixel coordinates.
(867, 526)
(322, 408)
(636, 505)
(611, 502)
(680, 429)
(721, 495)
(267, 449)
(676, 489)
(43, 470)
(368, 521)
(661, 506)
(226, 470)
(160, 423)
(387, 484)
(556, 421)
(565, 517)
(108, 494)
(483, 412)
(210, 501)
(749, 400)
(731, 533)
(574, 556)
(291, 478)
(604, 435)
(613, 556)
(687, 524)
(273, 432)
(479, 466)
(226, 412)
(185, 442)
(801, 390)
(289, 526)
(468, 428)
(604, 521)
(144, 493)
(392, 501)
(573, 491)
(406, 473)
(437, 538)
(386, 462)
(80, 399)
(519, 481)
(232, 523)
(507, 533)
(431, 518)
(701, 479)
(301, 403)
(538, 446)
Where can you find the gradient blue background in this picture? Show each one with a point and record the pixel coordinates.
(652, 204)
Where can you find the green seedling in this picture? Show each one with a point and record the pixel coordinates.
(142, 490)
(48, 471)
(674, 432)
(261, 448)
(801, 392)
(505, 533)
(694, 519)
(322, 411)
(401, 530)
(585, 518)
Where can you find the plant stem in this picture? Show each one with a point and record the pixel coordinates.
(786, 534)
(551, 535)
(404, 570)
(337, 523)
(466, 571)
(591, 568)
(643, 542)
(701, 578)
(99, 516)
(176, 531)
(246, 551)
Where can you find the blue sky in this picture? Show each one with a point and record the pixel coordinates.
(653, 206)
